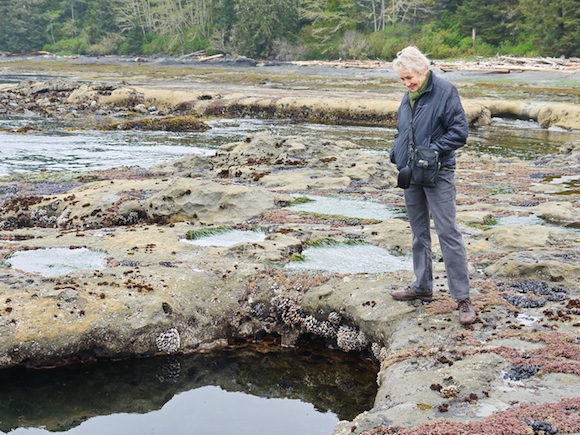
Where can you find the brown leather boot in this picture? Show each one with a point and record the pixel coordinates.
(466, 312)
(410, 294)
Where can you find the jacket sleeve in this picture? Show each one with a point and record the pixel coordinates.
(453, 130)
(399, 152)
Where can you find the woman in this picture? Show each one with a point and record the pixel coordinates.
(431, 115)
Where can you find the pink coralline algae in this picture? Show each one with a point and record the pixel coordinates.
(556, 357)
(553, 418)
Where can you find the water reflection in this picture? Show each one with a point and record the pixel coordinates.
(261, 391)
(518, 138)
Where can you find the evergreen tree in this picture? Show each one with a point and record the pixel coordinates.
(554, 26)
(22, 25)
(325, 21)
(259, 23)
(491, 21)
(299, 28)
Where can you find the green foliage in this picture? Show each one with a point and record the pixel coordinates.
(354, 45)
(325, 21)
(22, 26)
(76, 45)
(109, 44)
(260, 22)
(293, 29)
(156, 44)
(133, 42)
(553, 25)
(492, 21)
(386, 43)
(522, 46)
(190, 40)
(441, 43)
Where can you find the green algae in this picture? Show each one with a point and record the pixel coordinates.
(326, 242)
(340, 218)
(50, 177)
(169, 123)
(297, 257)
(206, 232)
(300, 200)
(487, 222)
(512, 89)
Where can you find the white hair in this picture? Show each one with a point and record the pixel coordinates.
(410, 59)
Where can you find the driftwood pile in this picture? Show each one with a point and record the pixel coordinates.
(499, 64)
(507, 64)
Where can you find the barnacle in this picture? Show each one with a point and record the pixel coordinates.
(168, 341)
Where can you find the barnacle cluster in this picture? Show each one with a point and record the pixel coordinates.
(322, 328)
(168, 341)
(450, 391)
(348, 338)
(378, 351)
(288, 310)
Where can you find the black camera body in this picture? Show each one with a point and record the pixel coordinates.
(404, 178)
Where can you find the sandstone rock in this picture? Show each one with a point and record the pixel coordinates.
(302, 163)
(519, 236)
(123, 97)
(206, 202)
(558, 212)
(566, 116)
(125, 202)
(557, 266)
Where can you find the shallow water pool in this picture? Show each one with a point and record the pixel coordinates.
(352, 208)
(245, 391)
(228, 238)
(52, 262)
(57, 148)
(350, 258)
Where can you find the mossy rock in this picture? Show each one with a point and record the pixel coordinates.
(169, 123)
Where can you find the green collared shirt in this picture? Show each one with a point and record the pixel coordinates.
(414, 96)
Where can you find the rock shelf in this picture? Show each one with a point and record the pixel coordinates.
(515, 370)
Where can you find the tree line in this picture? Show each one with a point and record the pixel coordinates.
(292, 29)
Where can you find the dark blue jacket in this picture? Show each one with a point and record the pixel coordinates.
(438, 121)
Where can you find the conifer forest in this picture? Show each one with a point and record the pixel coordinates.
(292, 29)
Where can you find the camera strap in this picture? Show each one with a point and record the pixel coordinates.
(410, 144)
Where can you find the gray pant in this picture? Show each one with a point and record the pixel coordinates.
(439, 203)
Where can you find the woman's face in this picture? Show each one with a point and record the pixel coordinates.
(413, 80)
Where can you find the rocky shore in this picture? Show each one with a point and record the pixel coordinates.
(514, 371)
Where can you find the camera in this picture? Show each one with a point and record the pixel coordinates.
(404, 178)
